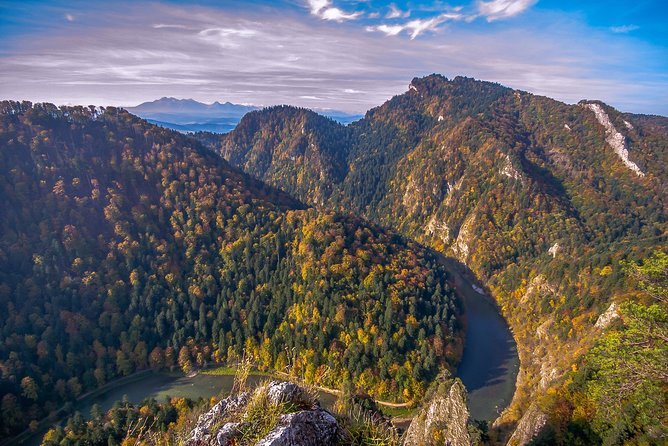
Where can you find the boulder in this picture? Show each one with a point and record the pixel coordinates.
(286, 392)
(201, 434)
(306, 428)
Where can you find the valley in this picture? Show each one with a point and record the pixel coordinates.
(529, 193)
(333, 223)
(460, 226)
(490, 382)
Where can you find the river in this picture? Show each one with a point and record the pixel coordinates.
(490, 363)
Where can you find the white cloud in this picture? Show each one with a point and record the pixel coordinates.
(318, 5)
(502, 9)
(624, 29)
(69, 17)
(325, 10)
(164, 25)
(389, 30)
(417, 26)
(396, 13)
(338, 15)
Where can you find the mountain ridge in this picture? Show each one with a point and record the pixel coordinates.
(541, 199)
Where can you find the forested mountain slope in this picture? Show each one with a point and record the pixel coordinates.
(305, 149)
(125, 246)
(539, 198)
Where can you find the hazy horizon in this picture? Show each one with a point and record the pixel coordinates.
(342, 55)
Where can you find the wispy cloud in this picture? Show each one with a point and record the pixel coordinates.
(325, 10)
(164, 25)
(226, 37)
(417, 26)
(265, 57)
(624, 29)
(396, 13)
(503, 9)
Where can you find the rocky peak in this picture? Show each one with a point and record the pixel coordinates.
(444, 419)
(289, 412)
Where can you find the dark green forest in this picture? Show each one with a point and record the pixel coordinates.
(125, 246)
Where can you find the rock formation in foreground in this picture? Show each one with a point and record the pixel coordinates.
(444, 419)
(274, 414)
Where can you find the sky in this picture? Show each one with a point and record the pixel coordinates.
(348, 55)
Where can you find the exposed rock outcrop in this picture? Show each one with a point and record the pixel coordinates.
(439, 229)
(464, 237)
(614, 139)
(287, 392)
(226, 434)
(554, 250)
(307, 428)
(529, 427)
(299, 422)
(201, 434)
(608, 316)
(509, 170)
(444, 420)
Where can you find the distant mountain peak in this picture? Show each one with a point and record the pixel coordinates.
(189, 115)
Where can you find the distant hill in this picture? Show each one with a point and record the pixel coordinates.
(188, 115)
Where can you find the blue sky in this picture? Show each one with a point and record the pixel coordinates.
(342, 54)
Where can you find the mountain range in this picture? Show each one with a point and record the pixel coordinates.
(544, 201)
(188, 115)
(326, 248)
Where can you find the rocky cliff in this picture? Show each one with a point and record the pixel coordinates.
(443, 419)
(274, 414)
(284, 413)
(529, 427)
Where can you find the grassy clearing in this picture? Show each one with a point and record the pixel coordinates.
(398, 412)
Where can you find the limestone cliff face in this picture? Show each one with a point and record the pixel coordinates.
(531, 424)
(444, 420)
